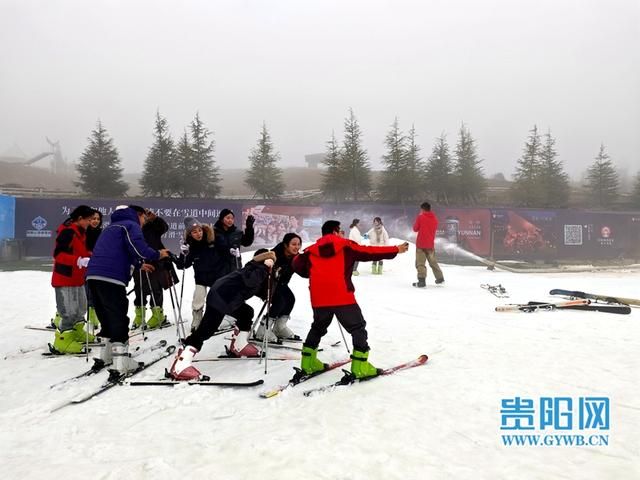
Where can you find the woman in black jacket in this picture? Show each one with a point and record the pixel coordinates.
(198, 250)
(229, 239)
(282, 298)
(227, 296)
(151, 284)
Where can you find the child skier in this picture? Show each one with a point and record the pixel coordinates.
(378, 237)
(71, 257)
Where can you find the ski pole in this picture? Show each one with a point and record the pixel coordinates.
(181, 291)
(179, 320)
(267, 327)
(142, 302)
(344, 339)
(175, 316)
(255, 322)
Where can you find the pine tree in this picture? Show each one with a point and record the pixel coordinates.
(467, 172)
(264, 177)
(553, 180)
(414, 182)
(333, 178)
(635, 194)
(158, 176)
(394, 176)
(186, 181)
(99, 167)
(525, 190)
(354, 161)
(438, 172)
(205, 169)
(602, 180)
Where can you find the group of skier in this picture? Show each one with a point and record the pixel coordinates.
(132, 245)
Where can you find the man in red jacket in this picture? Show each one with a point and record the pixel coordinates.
(426, 225)
(328, 264)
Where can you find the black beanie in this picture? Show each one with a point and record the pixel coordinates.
(224, 212)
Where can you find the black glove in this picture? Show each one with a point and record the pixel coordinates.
(250, 221)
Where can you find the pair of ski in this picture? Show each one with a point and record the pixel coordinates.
(348, 378)
(98, 364)
(596, 297)
(583, 304)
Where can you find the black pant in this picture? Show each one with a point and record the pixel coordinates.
(150, 286)
(211, 321)
(282, 302)
(111, 304)
(349, 316)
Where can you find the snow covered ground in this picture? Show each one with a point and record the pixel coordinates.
(439, 421)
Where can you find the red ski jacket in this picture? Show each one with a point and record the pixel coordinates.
(70, 245)
(426, 225)
(328, 264)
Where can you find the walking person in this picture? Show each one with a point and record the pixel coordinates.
(378, 237)
(426, 225)
(229, 239)
(156, 277)
(227, 296)
(70, 258)
(328, 265)
(119, 249)
(198, 250)
(355, 236)
(282, 298)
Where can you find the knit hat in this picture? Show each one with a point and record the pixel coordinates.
(224, 212)
(190, 223)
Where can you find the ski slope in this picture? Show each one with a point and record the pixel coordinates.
(438, 421)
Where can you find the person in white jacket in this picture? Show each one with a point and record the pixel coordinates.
(356, 236)
(378, 236)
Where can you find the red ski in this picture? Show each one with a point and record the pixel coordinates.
(349, 379)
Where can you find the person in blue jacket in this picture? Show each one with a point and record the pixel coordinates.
(119, 249)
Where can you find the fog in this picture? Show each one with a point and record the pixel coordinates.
(499, 66)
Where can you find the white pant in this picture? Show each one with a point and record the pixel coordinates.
(199, 297)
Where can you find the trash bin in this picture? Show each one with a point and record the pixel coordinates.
(12, 249)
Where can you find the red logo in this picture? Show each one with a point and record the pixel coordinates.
(605, 232)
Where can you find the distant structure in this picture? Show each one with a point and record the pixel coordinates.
(314, 160)
(58, 165)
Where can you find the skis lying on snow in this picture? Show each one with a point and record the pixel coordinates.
(598, 307)
(349, 379)
(206, 383)
(113, 380)
(98, 364)
(593, 296)
(496, 290)
(535, 306)
(300, 377)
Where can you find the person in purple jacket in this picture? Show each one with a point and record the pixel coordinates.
(119, 249)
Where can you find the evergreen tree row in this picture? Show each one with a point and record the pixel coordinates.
(186, 169)
(406, 176)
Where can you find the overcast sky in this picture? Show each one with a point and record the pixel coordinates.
(499, 66)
